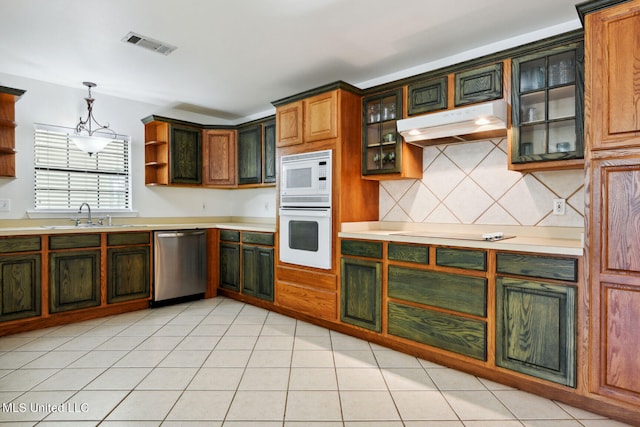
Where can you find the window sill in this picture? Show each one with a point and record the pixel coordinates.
(73, 213)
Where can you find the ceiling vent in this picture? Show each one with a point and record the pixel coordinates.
(148, 43)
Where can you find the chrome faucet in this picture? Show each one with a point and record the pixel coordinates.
(88, 211)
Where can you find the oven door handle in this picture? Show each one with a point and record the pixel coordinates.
(309, 212)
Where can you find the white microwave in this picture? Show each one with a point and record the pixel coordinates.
(305, 179)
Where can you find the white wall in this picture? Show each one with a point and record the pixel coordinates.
(51, 104)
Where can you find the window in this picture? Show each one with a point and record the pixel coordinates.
(66, 177)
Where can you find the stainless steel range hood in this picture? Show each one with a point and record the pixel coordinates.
(479, 121)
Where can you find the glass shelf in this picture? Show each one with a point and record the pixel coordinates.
(381, 141)
(547, 123)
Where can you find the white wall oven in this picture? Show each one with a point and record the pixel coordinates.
(305, 209)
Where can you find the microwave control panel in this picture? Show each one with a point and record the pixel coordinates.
(322, 175)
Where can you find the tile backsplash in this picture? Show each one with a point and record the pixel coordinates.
(469, 183)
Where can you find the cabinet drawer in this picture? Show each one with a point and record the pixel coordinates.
(465, 294)
(442, 330)
(20, 244)
(257, 238)
(230, 235)
(362, 248)
(408, 253)
(538, 266)
(71, 241)
(461, 258)
(118, 239)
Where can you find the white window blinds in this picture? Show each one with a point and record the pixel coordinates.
(65, 176)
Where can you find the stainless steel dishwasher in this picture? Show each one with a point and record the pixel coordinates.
(180, 265)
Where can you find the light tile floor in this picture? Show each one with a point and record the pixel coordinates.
(219, 362)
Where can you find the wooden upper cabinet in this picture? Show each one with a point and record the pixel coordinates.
(219, 153)
(612, 51)
(307, 120)
(321, 116)
(289, 124)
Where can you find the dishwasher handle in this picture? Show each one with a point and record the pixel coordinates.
(180, 233)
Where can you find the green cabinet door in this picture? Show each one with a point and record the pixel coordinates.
(128, 273)
(257, 272)
(20, 286)
(536, 329)
(230, 266)
(269, 151)
(478, 84)
(361, 293)
(74, 280)
(186, 155)
(250, 155)
(427, 96)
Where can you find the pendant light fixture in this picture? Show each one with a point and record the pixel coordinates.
(85, 137)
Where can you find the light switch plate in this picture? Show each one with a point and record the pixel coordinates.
(5, 205)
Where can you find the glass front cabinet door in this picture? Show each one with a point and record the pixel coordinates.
(382, 145)
(547, 105)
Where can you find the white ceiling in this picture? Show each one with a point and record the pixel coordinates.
(236, 56)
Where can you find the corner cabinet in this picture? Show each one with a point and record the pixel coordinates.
(219, 149)
(247, 263)
(547, 109)
(209, 156)
(384, 154)
(8, 98)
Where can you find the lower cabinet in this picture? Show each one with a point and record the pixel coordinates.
(128, 273)
(535, 328)
(361, 293)
(247, 263)
(230, 266)
(20, 287)
(445, 310)
(74, 280)
(20, 277)
(257, 272)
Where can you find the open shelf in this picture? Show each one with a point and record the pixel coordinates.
(8, 98)
(156, 153)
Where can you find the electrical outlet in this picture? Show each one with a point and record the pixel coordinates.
(559, 206)
(5, 205)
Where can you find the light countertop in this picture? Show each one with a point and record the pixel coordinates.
(31, 227)
(546, 240)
